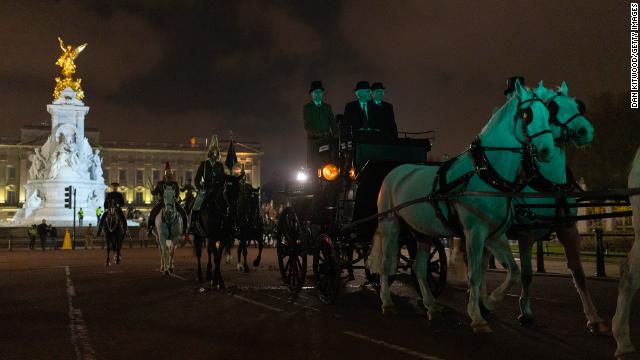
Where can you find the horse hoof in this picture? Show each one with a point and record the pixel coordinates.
(598, 328)
(256, 263)
(389, 310)
(526, 320)
(239, 267)
(246, 269)
(624, 352)
(481, 329)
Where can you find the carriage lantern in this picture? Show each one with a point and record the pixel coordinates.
(330, 172)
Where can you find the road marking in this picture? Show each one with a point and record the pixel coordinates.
(392, 346)
(294, 303)
(79, 332)
(258, 303)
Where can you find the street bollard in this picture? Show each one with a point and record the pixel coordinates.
(540, 256)
(600, 271)
(10, 242)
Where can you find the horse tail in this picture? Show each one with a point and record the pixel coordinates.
(383, 258)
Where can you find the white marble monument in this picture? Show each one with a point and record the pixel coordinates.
(65, 159)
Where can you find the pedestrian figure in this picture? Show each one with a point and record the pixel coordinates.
(90, 235)
(53, 233)
(32, 232)
(98, 214)
(80, 217)
(42, 232)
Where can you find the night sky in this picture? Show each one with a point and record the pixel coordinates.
(167, 70)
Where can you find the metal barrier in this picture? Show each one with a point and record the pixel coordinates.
(601, 252)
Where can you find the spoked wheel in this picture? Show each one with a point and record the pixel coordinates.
(291, 249)
(437, 268)
(326, 268)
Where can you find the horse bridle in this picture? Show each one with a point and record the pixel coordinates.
(554, 108)
(525, 116)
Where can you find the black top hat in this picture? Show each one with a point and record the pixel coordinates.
(315, 85)
(115, 184)
(377, 85)
(511, 84)
(362, 85)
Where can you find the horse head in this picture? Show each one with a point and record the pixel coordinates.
(566, 117)
(523, 122)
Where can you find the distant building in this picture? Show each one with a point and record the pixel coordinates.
(132, 164)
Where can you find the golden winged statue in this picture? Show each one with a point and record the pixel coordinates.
(66, 62)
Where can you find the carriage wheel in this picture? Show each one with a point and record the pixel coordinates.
(437, 268)
(326, 269)
(291, 249)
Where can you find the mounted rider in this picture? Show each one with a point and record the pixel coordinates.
(118, 201)
(210, 179)
(167, 182)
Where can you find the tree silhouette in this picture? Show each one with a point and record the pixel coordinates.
(606, 161)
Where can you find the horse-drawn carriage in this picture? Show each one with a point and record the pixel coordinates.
(332, 215)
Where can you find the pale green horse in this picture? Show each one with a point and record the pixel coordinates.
(629, 271)
(168, 231)
(568, 125)
(521, 125)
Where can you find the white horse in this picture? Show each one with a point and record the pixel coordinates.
(629, 272)
(568, 124)
(522, 123)
(168, 231)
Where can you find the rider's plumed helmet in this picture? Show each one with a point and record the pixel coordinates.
(214, 149)
(168, 173)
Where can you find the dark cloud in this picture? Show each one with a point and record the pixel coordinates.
(202, 66)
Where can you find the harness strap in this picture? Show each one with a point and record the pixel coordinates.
(487, 172)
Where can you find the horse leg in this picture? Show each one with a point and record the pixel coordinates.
(627, 287)
(260, 241)
(197, 246)
(526, 315)
(108, 250)
(570, 239)
(420, 269)
(218, 271)
(245, 250)
(210, 249)
(385, 258)
(171, 248)
(501, 250)
(241, 246)
(475, 249)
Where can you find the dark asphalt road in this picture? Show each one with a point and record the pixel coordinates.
(55, 305)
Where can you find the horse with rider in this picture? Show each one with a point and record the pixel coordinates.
(114, 222)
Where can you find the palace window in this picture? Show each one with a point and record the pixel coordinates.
(11, 173)
(139, 200)
(122, 176)
(155, 174)
(139, 176)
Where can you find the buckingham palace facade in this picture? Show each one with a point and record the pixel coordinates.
(134, 165)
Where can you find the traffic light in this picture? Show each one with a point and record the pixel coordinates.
(67, 197)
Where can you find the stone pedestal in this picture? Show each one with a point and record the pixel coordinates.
(66, 159)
